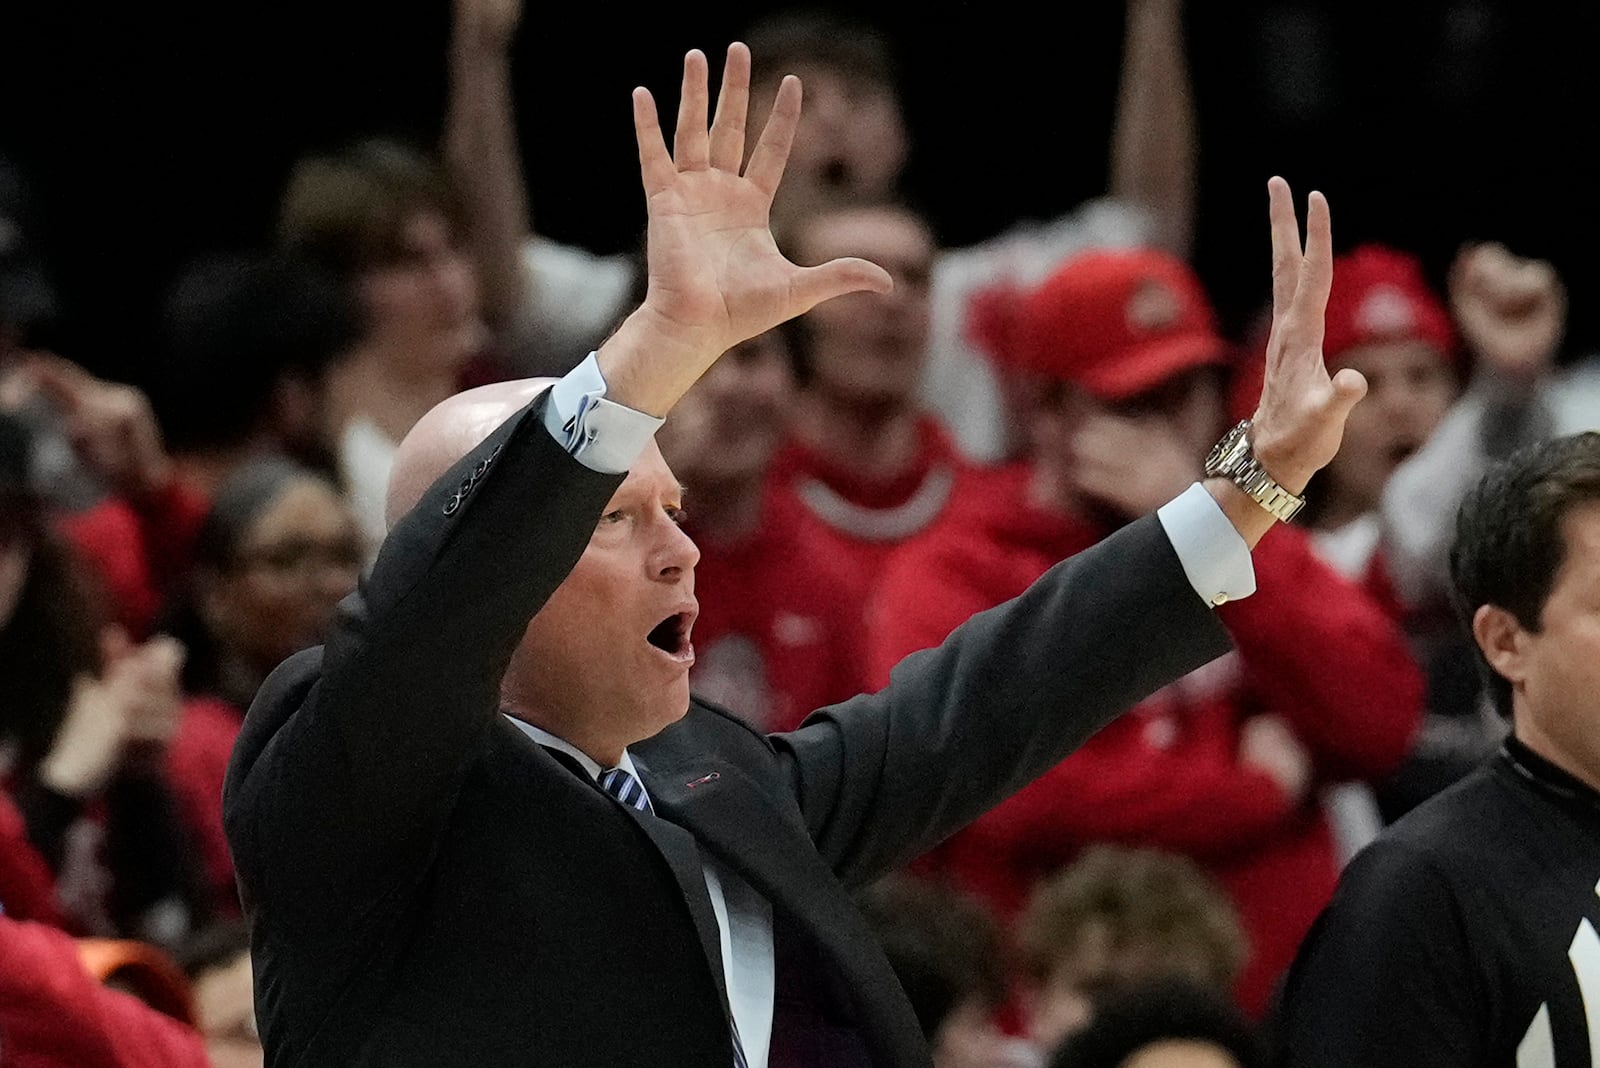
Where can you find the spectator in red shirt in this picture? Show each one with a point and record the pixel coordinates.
(247, 341)
(1225, 765)
(55, 1014)
(779, 630)
(84, 726)
(1384, 320)
(276, 553)
(864, 459)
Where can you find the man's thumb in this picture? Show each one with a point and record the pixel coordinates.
(835, 278)
(1349, 386)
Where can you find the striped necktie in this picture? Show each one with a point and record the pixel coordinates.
(625, 788)
(628, 791)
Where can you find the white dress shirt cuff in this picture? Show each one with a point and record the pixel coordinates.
(1213, 554)
(602, 435)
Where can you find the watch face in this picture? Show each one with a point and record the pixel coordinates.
(1227, 452)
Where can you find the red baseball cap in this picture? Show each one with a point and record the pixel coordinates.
(1117, 323)
(1379, 294)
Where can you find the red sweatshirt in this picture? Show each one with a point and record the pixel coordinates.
(139, 550)
(779, 632)
(54, 1014)
(863, 521)
(197, 762)
(27, 886)
(1312, 649)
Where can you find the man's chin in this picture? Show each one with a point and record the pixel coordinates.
(663, 715)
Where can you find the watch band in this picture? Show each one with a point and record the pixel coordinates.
(1234, 460)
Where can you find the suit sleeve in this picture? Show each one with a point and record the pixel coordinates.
(884, 777)
(1384, 976)
(1325, 656)
(342, 780)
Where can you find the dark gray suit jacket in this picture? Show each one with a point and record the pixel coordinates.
(427, 886)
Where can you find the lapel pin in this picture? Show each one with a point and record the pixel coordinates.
(702, 780)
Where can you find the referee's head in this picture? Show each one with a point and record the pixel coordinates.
(1526, 571)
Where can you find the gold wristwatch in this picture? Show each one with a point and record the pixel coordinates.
(1233, 459)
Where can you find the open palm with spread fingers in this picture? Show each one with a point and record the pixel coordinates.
(716, 277)
(1300, 420)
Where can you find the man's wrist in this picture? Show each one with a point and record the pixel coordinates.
(1282, 463)
(650, 362)
(1248, 517)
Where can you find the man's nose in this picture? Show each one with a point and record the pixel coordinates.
(676, 554)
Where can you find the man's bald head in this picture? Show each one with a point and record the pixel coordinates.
(449, 431)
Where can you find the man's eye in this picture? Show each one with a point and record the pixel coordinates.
(614, 517)
(678, 516)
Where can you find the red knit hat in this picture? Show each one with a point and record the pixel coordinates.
(1379, 294)
(1117, 323)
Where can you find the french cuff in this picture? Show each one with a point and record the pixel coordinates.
(601, 435)
(1214, 555)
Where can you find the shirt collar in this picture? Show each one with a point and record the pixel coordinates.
(589, 764)
(1545, 775)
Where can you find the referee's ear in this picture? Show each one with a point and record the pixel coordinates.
(1503, 641)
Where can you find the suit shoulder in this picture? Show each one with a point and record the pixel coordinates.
(724, 719)
(283, 693)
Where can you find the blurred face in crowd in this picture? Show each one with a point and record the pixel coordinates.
(1182, 1053)
(1554, 671)
(1410, 386)
(1190, 407)
(726, 429)
(1097, 963)
(1174, 426)
(851, 142)
(300, 556)
(606, 661)
(869, 348)
(421, 304)
(1189, 410)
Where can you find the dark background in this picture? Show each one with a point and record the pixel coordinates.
(152, 133)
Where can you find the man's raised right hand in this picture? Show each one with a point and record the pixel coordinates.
(716, 277)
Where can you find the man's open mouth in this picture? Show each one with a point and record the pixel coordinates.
(671, 635)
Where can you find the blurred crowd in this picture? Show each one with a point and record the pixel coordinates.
(859, 483)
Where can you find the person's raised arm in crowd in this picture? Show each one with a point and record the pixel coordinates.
(138, 539)
(547, 302)
(481, 154)
(1153, 141)
(1511, 313)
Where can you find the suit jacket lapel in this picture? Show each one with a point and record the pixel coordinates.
(678, 849)
(727, 811)
(676, 846)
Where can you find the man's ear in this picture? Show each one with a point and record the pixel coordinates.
(1502, 639)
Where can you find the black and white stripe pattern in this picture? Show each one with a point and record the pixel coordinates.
(625, 788)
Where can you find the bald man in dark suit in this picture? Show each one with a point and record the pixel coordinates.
(487, 824)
